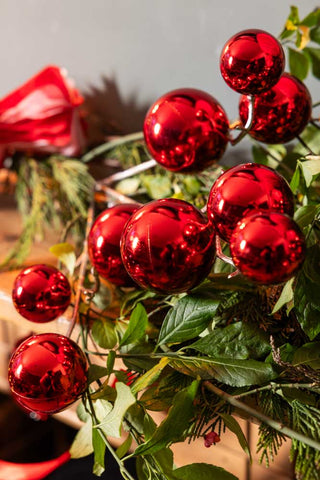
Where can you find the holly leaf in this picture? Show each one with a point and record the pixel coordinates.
(174, 426)
(189, 317)
(137, 325)
(66, 254)
(202, 471)
(299, 63)
(233, 372)
(104, 333)
(239, 340)
(232, 424)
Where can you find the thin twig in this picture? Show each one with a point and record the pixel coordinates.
(275, 387)
(105, 147)
(248, 124)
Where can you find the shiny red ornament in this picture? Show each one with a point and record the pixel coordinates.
(104, 243)
(281, 113)
(41, 293)
(243, 189)
(47, 373)
(42, 115)
(168, 246)
(252, 61)
(186, 130)
(268, 248)
(31, 471)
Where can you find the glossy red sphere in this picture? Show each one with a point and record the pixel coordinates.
(245, 188)
(47, 373)
(168, 246)
(41, 293)
(252, 61)
(186, 130)
(268, 248)
(281, 113)
(104, 243)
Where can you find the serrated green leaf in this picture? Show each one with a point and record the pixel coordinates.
(124, 447)
(111, 423)
(239, 340)
(99, 449)
(189, 317)
(202, 471)
(95, 372)
(285, 297)
(237, 373)
(82, 443)
(66, 254)
(173, 427)
(137, 325)
(308, 354)
(232, 424)
(314, 54)
(104, 333)
(299, 63)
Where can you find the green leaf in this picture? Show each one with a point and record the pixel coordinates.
(96, 372)
(137, 326)
(128, 186)
(285, 297)
(305, 215)
(294, 15)
(306, 304)
(82, 443)
(150, 376)
(124, 447)
(295, 180)
(232, 424)
(173, 427)
(104, 334)
(314, 54)
(189, 317)
(157, 186)
(312, 19)
(111, 423)
(99, 448)
(239, 340)
(308, 354)
(202, 471)
(110, 361)
(237, 373)
(66, 254)
(315, 34)
(311, 136)
(299, 63)
(310, 168)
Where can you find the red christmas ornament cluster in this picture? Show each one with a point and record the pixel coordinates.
(41, 293)
(47, 373)
(168, 246)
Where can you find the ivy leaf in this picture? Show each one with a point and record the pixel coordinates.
(99, 448)
(189, 317)
(82, 443)
(111, 423)
(240, 340)
(202, 471)
(299, 63)
(234, 426)
(66, 254)
(174, 426)
(308, 354)
(104, 334)
(137, 325)
(236, 373)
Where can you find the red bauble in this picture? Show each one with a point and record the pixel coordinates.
(241, 190)
(281, 113)
(41, 293)
(186, 130)
(252, 61)
(168, 246)
(104, 243)
(268, 248)
(47, 373)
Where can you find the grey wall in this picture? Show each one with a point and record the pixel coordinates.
(126, 53)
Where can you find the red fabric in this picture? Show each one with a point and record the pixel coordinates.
(31, 471)
(42, 116)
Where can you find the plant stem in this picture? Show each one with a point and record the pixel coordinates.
(261, 417)
(276, 386)
(105, 147)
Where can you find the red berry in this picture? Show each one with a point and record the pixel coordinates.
(168, 246)
(268, 248)
(281, 113)
(186, 130)
(47, 373)
(104, 243)
(41, 293)
(211, 438)
(252, 61)
(241, 190)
